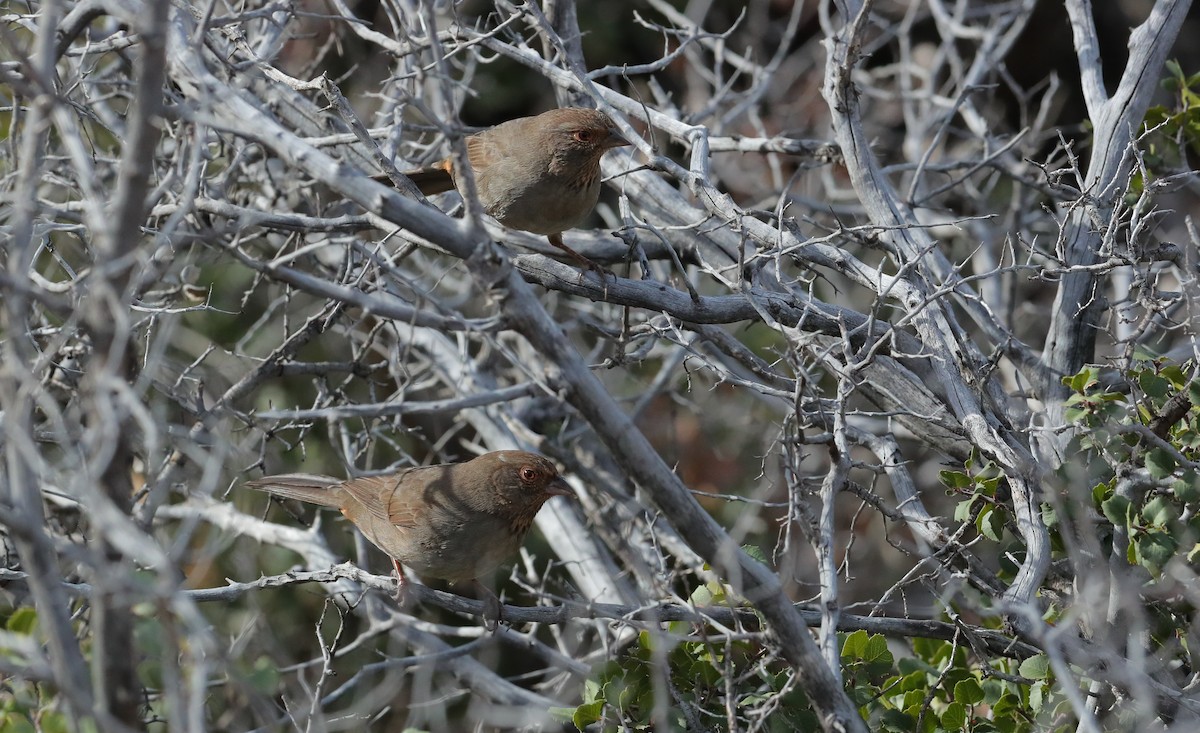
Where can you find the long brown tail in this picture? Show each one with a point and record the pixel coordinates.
(436, 179)
(308, 487)
(431, 180)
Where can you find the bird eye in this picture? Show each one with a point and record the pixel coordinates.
(529, 474)
(584, 136)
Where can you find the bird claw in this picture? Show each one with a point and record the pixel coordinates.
(601, 273)
(492, 614)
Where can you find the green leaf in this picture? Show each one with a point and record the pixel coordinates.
(592, 689)
(1036, 667)
(954, 717)
(1174, 375)
(1049, 516)
(645, 641)
(709, 594)
(910, 665)
(990, 523)
(896, 720)
(1037, 696)
(1159, 512)
(955, 479)
(1006, 705)
(628, 695)
(756, 552)
(913, 681)
(1154, 550)
(1160, 463)
(877, 653)
(963, 510)
(16, 723)
(968, 692)
(988, 486)
(587, 714)
(1117, 510)
(913, 699)
(1187, 489)
(1154, 385)
(1142, 353)
(1082, 380)
(23, 621)
(856, 645)
(932, 651)
(993, 689)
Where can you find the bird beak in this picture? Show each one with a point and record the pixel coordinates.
(615, 140)
(558, 487)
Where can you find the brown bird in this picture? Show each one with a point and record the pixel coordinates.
(538, 174)
(457, 521)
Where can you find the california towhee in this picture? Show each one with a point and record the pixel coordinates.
(457, 521)
(539, 174)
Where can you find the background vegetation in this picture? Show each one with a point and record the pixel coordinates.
(886, 418)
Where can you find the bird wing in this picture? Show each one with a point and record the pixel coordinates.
(439, 177)
(403, 499)
(419, 492)
(481, 151)
(497, 143)
(373, 493)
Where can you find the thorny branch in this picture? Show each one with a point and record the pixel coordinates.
(201, 282)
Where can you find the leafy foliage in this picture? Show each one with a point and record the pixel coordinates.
(1172, 133)
(931, 685)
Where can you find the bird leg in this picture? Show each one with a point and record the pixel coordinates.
(556, 240)
(401, 591)
(491, 606)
